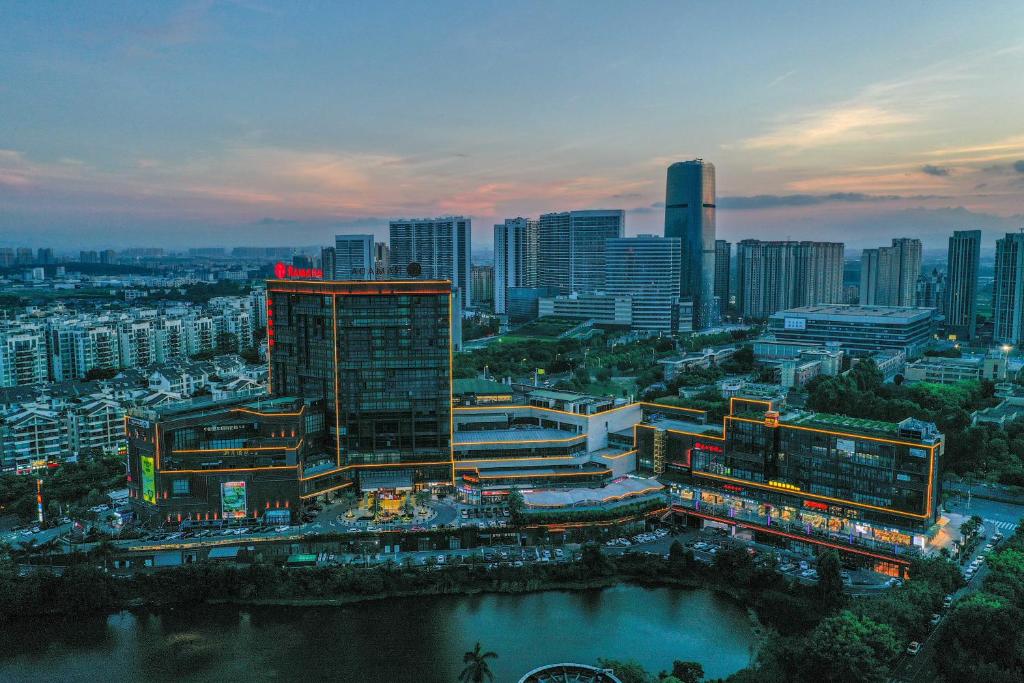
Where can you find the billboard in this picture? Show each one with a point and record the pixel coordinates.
(846, 446)
(232, 499)
(795, 324)
(148, 480)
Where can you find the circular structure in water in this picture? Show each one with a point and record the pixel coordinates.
(565, 672)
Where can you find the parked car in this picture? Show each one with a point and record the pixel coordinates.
(913, 648)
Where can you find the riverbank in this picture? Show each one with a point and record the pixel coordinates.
(83, 589)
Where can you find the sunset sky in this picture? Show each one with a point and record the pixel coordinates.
(249, 122)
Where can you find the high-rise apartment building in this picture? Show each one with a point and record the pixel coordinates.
(570, 251)
(441, 246)
(723, 274)
(773, 276)
(483, 286)
(354, 257)
(888, 275)
(22, 356)
(1008, 290)
(690, 216)
(962, 283)
(646, 269)
(515, 258)
(931, 291)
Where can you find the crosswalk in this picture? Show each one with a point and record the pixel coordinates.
(1005, 527)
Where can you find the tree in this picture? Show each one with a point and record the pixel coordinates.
(100, 373)
(848, 648)
(866, 375)
(830, 580)
(516, 506)
(627, 671)
(477, 670)
(594, 560)
(422, 497)
(687, 672)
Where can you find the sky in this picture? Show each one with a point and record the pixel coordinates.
(249, 122)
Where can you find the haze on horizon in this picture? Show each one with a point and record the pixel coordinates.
(249, 122)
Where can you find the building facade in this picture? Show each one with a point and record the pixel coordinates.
(773, 276)
(860, 329)
(961, 308)
(888, 275)
(354, 258)
(515, 258)
(690, 217)
(441, 246)
(571, 248)
(723, 274)
(647, 270)
(1008, 290)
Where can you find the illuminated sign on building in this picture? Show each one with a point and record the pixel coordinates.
(283, 271)
(710, 448)
(815, 505)
(232, 499)
(733, 487)
(148, 480)
(783, 485)
(270, 322)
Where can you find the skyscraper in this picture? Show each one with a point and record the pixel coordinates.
(570, 254)
(353, 258)
(888, 275)
(962, 283)
(483, 285)
(774, 276)
(646, 268)
(441, 246)
(515, 259)
(723, 257)
(328, 263)
(1008, 290)
(380, 359)
(690, 216)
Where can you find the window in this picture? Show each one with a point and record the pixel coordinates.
(180, 487)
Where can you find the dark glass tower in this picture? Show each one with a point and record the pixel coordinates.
(690, 216)
(378, 354)
(962, 283)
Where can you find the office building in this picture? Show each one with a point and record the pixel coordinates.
(888, 275)
(690, 217)
(603, 309)
(380, 359)
(961, 308)
(646, 269)
(354, 257)
(859, 329)
(441, 246)
(44, 256)
(1008, 290)
(723, 274)
(931, 291)
(870, 486)
(483, 286)
(328, 263)
(571, 248)
(515, 258)
(523, 302)
(6, 257)
(773, 276)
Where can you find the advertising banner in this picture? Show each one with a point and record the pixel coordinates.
(232, 499)
(148, 480)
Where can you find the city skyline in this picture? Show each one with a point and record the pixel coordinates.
(230, 123)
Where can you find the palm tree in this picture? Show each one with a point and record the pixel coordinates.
(477, 670)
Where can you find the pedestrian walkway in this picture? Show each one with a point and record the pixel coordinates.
(1005, 527)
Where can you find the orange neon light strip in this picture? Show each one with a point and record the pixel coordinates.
(496, 443)
(263, 414)
(250, 448)
(547, 474)
(337, 397)
(232, 469)
(328, 490)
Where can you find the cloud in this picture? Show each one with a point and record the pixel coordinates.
(836, 125)
(931, 169)
(771, 201)
(1018, 166)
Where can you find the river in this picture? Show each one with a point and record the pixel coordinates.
(418, 640)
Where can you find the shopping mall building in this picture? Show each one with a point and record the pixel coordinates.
(860, 484)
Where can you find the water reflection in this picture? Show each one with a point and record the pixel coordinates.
(418, 640)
